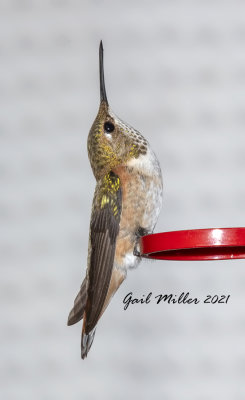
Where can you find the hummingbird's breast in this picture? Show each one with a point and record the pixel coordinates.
(141, 183)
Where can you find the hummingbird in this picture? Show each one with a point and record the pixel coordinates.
(126, 205)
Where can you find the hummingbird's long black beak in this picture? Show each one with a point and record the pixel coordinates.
(102, 79)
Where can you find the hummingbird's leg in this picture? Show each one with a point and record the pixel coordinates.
(139, 233)
(136, 251)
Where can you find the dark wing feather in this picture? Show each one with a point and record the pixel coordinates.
(104, 229)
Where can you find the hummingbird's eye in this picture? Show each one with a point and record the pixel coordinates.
(109, 127)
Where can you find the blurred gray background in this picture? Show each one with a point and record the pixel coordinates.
(175, 70)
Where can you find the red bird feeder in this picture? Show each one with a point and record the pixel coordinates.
(195, 244)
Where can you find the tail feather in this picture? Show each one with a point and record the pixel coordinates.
(86, 342)
(76, 314)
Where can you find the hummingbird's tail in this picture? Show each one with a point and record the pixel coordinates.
(76, 314)
(86, 342)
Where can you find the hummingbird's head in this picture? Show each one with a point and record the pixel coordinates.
(111, 142)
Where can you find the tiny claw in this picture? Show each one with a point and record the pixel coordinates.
(136, 252)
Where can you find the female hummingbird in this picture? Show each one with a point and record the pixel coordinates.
(126, 205)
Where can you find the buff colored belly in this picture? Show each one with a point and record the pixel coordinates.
(141, 202)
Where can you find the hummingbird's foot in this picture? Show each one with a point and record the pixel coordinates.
(139, 233)
(137, 252)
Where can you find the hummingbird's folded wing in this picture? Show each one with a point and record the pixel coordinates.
(104, 229)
